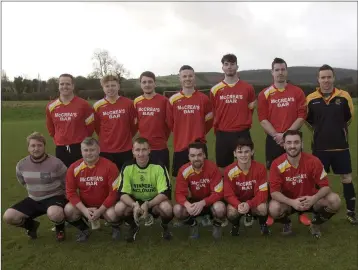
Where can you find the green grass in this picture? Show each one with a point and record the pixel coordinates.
(337, 249)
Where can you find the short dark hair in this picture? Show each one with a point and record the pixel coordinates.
(244, 141)
(197, 145)
(231, 58)
(326, 67)
(147, 74)
(185, 67)
(68, 76)
(292, 133)
(278, 61)
(141, 140)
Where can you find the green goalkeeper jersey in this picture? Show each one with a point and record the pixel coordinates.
(143, 183)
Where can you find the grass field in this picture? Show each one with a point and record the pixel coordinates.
(337, 249)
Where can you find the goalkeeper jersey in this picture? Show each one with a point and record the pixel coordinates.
(143, 183)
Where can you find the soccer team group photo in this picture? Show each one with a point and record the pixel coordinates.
(113, 167)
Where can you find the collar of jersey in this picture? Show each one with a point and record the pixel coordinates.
(290, 162)
(111, 102)
(279, 89)
(231, 84)
(333, 94)
(149, 98)
(143, 168)
(244, 172)
(65, 104)
(92, 166)
(181, 92)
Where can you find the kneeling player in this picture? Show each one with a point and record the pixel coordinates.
(299, 183)
(245, 187)
(44, 178)
(89, 189)
(203, 179)
(144, 187)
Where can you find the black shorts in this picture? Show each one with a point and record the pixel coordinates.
(69, 154)
(34, 209)
(340, 161)
(272, 151)
(161, 156)
(181, 158)
(225, 146)
(118, 158)
(293, 211)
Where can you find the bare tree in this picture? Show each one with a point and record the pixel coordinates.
(104, 64)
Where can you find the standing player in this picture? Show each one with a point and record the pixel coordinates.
(115, 122)
(152, 113)
(281, 107)
(89, 189)
(330, 111)
(203, 180)
(299, 183)
(144, 187)
(69, 119)
(245, 187)
(233, 103)
(44, 178)
(191, 117)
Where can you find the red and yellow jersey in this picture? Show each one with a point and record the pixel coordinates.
(232, 105)
(69, 123)
(245, 186)
(115, 124)
(297, 182)
(281, 107)
(92, 185)
(206, 185)
(153, 117)
(191, 118)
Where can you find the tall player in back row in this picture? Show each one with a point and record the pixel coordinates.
(191, 117)
(153, 113)
(330, 111)
(281, 107)
(69, 119)
(115, 122)
(233, 102)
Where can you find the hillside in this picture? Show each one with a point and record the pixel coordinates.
(297, 75)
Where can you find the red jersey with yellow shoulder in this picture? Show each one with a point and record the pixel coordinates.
(115, 124)
(191, 118)
(297, 182)
(92, 185)
(233, 105)
(153, 117)
(206, 185)
(281, 107)
(69, 123)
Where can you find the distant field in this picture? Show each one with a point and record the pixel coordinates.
(337, 249)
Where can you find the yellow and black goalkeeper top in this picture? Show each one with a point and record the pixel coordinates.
(329, 119)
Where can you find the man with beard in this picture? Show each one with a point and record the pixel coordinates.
(191, 117)
(69, 119)
(115, 122)
(43, 176)
(203, 180)
(152, 113)
(245, 187)
(330, 111)
(89, 190)
(299, 183)
(233, 103)
(281, 107)
(144, 188)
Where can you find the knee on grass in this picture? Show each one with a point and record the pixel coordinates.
(180, 212)
(334, 202)
(166, 209)
(260, 210)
